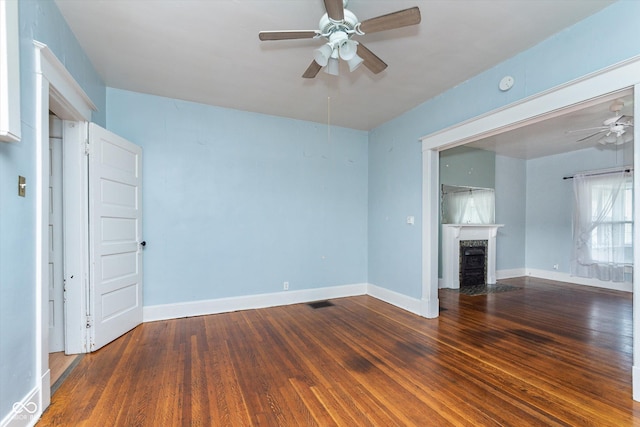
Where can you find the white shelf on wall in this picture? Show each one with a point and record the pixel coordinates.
(9, 72)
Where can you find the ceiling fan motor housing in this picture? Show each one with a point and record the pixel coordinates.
(327, 26)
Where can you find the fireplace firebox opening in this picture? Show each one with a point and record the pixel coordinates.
(473, 262)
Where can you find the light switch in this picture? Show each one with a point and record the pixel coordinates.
(411, 220)
(22, 186)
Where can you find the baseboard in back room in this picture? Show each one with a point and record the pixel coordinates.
(558, 276)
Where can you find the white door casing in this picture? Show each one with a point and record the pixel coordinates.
(115, 236)
(56, 285)
(55, 91)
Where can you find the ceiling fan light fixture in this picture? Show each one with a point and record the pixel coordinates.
(348, 49)
(627, 137)
(332, 67)
(616, 138)
(609, 138)
(322, 54)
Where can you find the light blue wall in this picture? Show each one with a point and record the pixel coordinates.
(550, 202)
(39, 20)
(511, 188)
(395, 248)
(395, 185)
(236, 203)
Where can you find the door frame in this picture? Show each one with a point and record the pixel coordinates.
(554, 102)
(58, 91)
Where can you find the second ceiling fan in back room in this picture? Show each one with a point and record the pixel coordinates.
(337, 27)
(614, 130)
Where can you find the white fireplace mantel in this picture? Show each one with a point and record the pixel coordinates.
(452, 234)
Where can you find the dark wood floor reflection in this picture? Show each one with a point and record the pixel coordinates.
(541, 355)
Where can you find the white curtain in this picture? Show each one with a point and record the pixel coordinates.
(485, 202)
(456, 206)
(602, 226)
(474, 206)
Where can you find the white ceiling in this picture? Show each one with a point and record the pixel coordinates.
(561, 133)
(208, 51)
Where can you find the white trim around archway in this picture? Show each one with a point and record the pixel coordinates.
(556, 101)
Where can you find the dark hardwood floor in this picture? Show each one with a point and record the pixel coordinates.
(545, 354)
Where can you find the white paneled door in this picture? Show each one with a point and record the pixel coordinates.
(115, 236)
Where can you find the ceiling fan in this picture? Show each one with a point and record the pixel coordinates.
(613, 130)
(337, 27)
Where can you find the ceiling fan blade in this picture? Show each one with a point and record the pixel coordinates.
(287, 35)
(335, 9)
(625, 121)
(601, 128)
(591, 136)
(371, 60)
(402, 18)
(312, 71)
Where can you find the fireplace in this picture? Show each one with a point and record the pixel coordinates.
(473, 262)
(457, 236)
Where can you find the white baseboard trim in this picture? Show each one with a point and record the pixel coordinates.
(402, 301)
(566, 277)
(508, 274)
(413, 305)
(635, 374)
(224, 305)
(26, 412)
(45, 390)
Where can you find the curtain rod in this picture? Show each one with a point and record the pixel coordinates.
(600, 173)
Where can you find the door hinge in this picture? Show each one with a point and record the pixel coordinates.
(89, 321)
(87, 149)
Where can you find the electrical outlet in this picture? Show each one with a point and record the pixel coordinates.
(285, 286)
(555, 266)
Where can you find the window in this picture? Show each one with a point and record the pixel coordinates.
(9, 72)
(603, 226)
(614, 232)
(467, 205)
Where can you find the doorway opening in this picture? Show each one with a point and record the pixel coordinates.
(551, 103)
(60, 363)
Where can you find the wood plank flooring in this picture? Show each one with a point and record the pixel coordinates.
(59, 363)
(544, 355)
